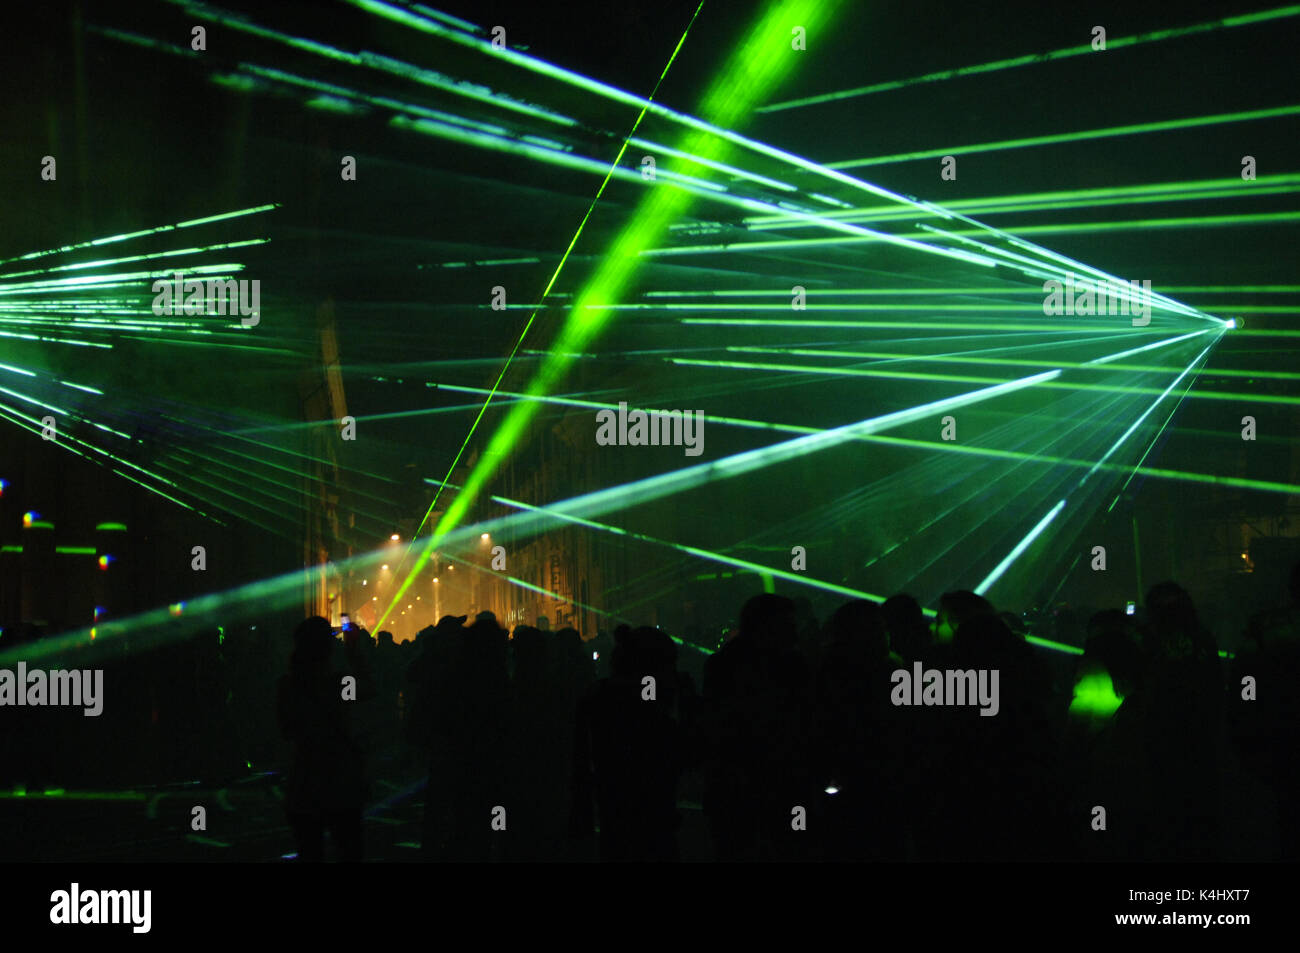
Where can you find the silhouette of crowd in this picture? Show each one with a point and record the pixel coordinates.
(794, 750)
(783, 743)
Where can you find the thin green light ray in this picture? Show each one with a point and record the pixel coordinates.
(287, 588)
(1056, 646)
(1137, 423)
(902, 308)
(170, 253)
(1123, 225)
(660, 148)
(1154, 440)
(1071, 264)
(547, 69)
(1034, 269)
(980, 379)
(1060, 200)
(1151, 36)
(974, 354)
(712, 129)
(1264, 486)
(1195, 122)
(1100, 364)
(598, 405)
(301, 455)
(255, 210)
(1043, 327)
(238, 482)
(1175, 475)
(992, 291)
(677, 481)
(1001, 568)
(1095, 364)
(525, 584)
(21, 793)
(440, 531)
(116, 279)
(186, 468)
(155, 626)
(407, 71)
(392, 415)
(933, 470)
(65, 441)
(693, 187)
(706, 554)
(565, 76)
(759, 568)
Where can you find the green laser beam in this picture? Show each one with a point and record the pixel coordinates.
(1151, 36)
(1107, 132)
(524, 409)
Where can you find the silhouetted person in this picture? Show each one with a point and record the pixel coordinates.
(541, 736)
(574, 669)
(956, 608)
(1004, 769)
(427, 697)
(629, 753)
(467, 688)
(909, 636)
(757, 733)
(1266, 726)
(387, 673)
(858, 735)
(1114, 644)
(1160, 764)
(326, 783)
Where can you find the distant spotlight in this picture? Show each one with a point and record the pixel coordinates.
(435, 578)
(176, 608)
(450, 568)
(484, 536)
(1231, 323)
(363, 582)
(3, 484)
(832, 790)
(384, 567)
(394, 537)
(92, 635)
(99, 611)
(105, 560)
(594, 656)
(29, 518)
(374, 598)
